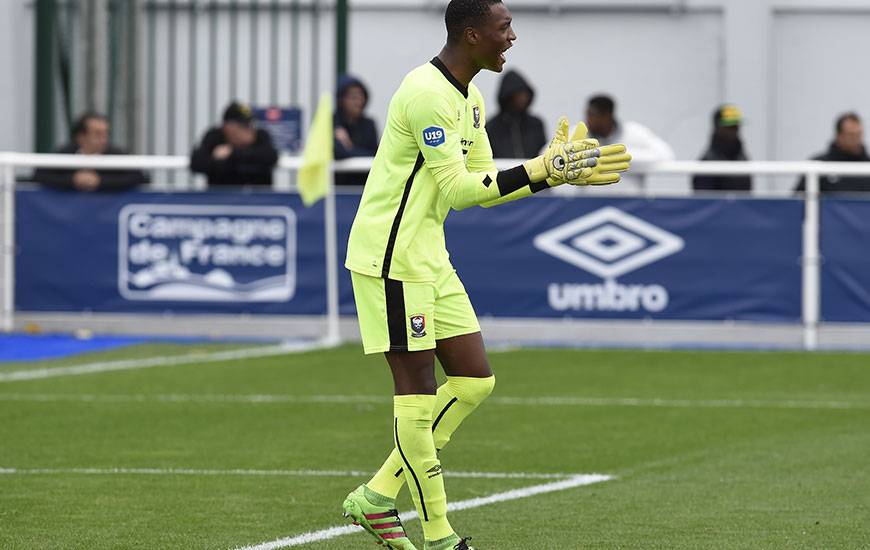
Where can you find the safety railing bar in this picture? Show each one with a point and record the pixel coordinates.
(292, 162)
(784, 168)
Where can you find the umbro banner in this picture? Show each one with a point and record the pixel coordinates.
(547, 257)
(705, 259)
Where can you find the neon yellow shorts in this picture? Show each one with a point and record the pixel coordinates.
(404, 316)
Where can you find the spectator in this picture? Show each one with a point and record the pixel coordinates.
(848, 146)
(514, 132)
(235, 153)
(725, 145)
(90, 136)
(640, 141)
(355, 133)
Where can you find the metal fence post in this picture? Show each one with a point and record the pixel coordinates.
(811, 263)
(44, 67)
(7, 248)
(341, 58)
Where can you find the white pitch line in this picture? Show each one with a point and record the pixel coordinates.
(515, 494)
(205, 398)
(498, 400)
(267, 473)
(163, 361)
(679, 403)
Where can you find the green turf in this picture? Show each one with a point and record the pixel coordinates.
(699, 475)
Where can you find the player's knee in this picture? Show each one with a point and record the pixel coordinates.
(471, 390)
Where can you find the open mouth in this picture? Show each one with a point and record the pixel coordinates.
(501, 55)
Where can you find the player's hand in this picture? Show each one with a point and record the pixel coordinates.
(86, 180)
(222, 151)
(565, 160)
(612, 159)
(343, 137)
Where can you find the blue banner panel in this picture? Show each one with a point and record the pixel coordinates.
(844, 237)
(346, 207)
(545, 257)
(227, 252)
(702, 259)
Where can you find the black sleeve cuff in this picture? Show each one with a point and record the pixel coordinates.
(540, 186)
(512, 180)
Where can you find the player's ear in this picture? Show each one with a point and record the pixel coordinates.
(471, 36)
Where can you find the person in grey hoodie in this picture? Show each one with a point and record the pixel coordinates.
(514, 132)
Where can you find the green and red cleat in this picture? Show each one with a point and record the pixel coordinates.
(381, 521)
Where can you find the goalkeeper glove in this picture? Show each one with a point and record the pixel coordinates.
(612, 159)
(564, 160)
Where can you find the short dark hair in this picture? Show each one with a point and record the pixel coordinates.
(851, 115)
(602, 103)
(80, 126)
(461, 14)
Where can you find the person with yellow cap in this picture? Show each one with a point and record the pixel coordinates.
(725, 145)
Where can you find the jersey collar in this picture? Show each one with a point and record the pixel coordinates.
(450, 78)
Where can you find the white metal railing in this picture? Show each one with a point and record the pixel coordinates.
(810, 170)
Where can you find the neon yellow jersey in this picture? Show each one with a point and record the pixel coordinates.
(434, 155)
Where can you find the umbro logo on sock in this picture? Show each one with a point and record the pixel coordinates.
(434, 471)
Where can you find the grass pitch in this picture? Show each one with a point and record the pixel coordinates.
(708, 450)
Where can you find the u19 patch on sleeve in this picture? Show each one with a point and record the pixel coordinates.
(433, 136)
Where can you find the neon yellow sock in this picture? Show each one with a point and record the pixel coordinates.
(412, 430)
(462, 396)
(455, 400)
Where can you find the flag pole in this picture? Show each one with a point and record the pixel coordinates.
(316, 181)
(333, 336)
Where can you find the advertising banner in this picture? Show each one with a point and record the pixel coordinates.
(552, 257)
(187, 252)
(844, 241)
(632, 258)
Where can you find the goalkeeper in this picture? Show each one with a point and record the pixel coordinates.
(435, 156)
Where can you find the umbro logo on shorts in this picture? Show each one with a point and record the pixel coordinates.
(418, 326)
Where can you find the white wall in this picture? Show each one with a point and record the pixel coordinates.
(16, 82)
(819, 70)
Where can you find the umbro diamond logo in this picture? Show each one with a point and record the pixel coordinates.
(608, 243)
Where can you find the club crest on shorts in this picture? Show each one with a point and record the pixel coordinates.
(418, 325)
(475, 111)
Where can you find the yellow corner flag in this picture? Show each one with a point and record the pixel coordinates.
(317, 155)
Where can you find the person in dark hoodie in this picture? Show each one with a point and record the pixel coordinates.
(355, 133)
(725, 145)
(237, 152)
(90, 136)
(514, 132)
(848, 146)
